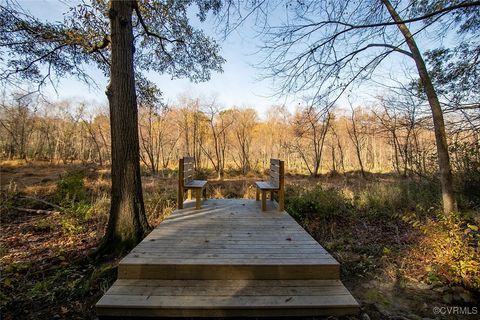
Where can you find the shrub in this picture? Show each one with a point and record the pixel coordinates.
(71, 189)
(71, 194)
(385, 199)
(451, 245)
(203, 173)
(160, 204)
(317, 202)
(466, 163)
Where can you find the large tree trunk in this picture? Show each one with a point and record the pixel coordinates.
(127, 223)
(446, 180)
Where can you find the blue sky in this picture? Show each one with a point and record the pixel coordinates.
(238, 85)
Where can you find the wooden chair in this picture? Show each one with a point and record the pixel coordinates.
(186, 182)
(275, 184)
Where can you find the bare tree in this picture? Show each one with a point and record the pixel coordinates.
(18, 121)
(311, 125)
(357, 135)
(219, 123)
(242, 129)
(336, 144)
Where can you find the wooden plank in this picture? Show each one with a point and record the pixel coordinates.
(286, 301)
(275, 169)
(289, 237)
(275, 175)
(275, 162)
(188, 170)
(273, 236)
(180, 191)
(222, 256)
(279, 238)
(245, 260)
(265, 185)
(274, 230)
(270, 312)
(202, 241)
(196, 184)
(281, 192)
(189, 160)
(264, 200)
(216, 291)
(262, 252)
(198, 198)
(228, 283)
(189, 175)
(229, 233)
(279, 226)
(195, 271)
(236, 246)
(232, 246)
(227, 251)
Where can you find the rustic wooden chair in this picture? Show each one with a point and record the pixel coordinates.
(186, 182)
(275, 184)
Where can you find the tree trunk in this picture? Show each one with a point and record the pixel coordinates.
(446, 180)
(356, 142)
(127, 223)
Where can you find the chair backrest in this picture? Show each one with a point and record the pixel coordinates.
(188, 169)
(277, 173)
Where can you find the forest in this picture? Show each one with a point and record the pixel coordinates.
(389, 185)
(392, 136)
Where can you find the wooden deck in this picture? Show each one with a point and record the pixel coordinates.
(227, 259)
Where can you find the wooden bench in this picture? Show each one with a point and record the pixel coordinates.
(275, 184)
(186, 182)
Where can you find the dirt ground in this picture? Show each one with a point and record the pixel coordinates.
(46, 272)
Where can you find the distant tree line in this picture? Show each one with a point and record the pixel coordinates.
(390, 136)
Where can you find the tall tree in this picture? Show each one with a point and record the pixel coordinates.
(322, 48)
(123, 38)
(127, 222)
(446, 179)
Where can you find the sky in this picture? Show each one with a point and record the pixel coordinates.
(238, 85)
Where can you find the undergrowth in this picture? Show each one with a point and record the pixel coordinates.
(448, 249)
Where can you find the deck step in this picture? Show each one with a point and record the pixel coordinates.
(226, 298)
(259, 271)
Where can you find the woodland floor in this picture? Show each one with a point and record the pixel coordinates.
(46, 273)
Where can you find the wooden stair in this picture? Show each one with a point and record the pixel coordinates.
(228, 259)
(226, 298)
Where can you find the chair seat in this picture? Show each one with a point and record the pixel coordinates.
(265, 185)
(192, 184)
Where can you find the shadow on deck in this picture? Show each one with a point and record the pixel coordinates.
(228, 259)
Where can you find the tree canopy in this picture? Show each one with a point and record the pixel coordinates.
(165, 42)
